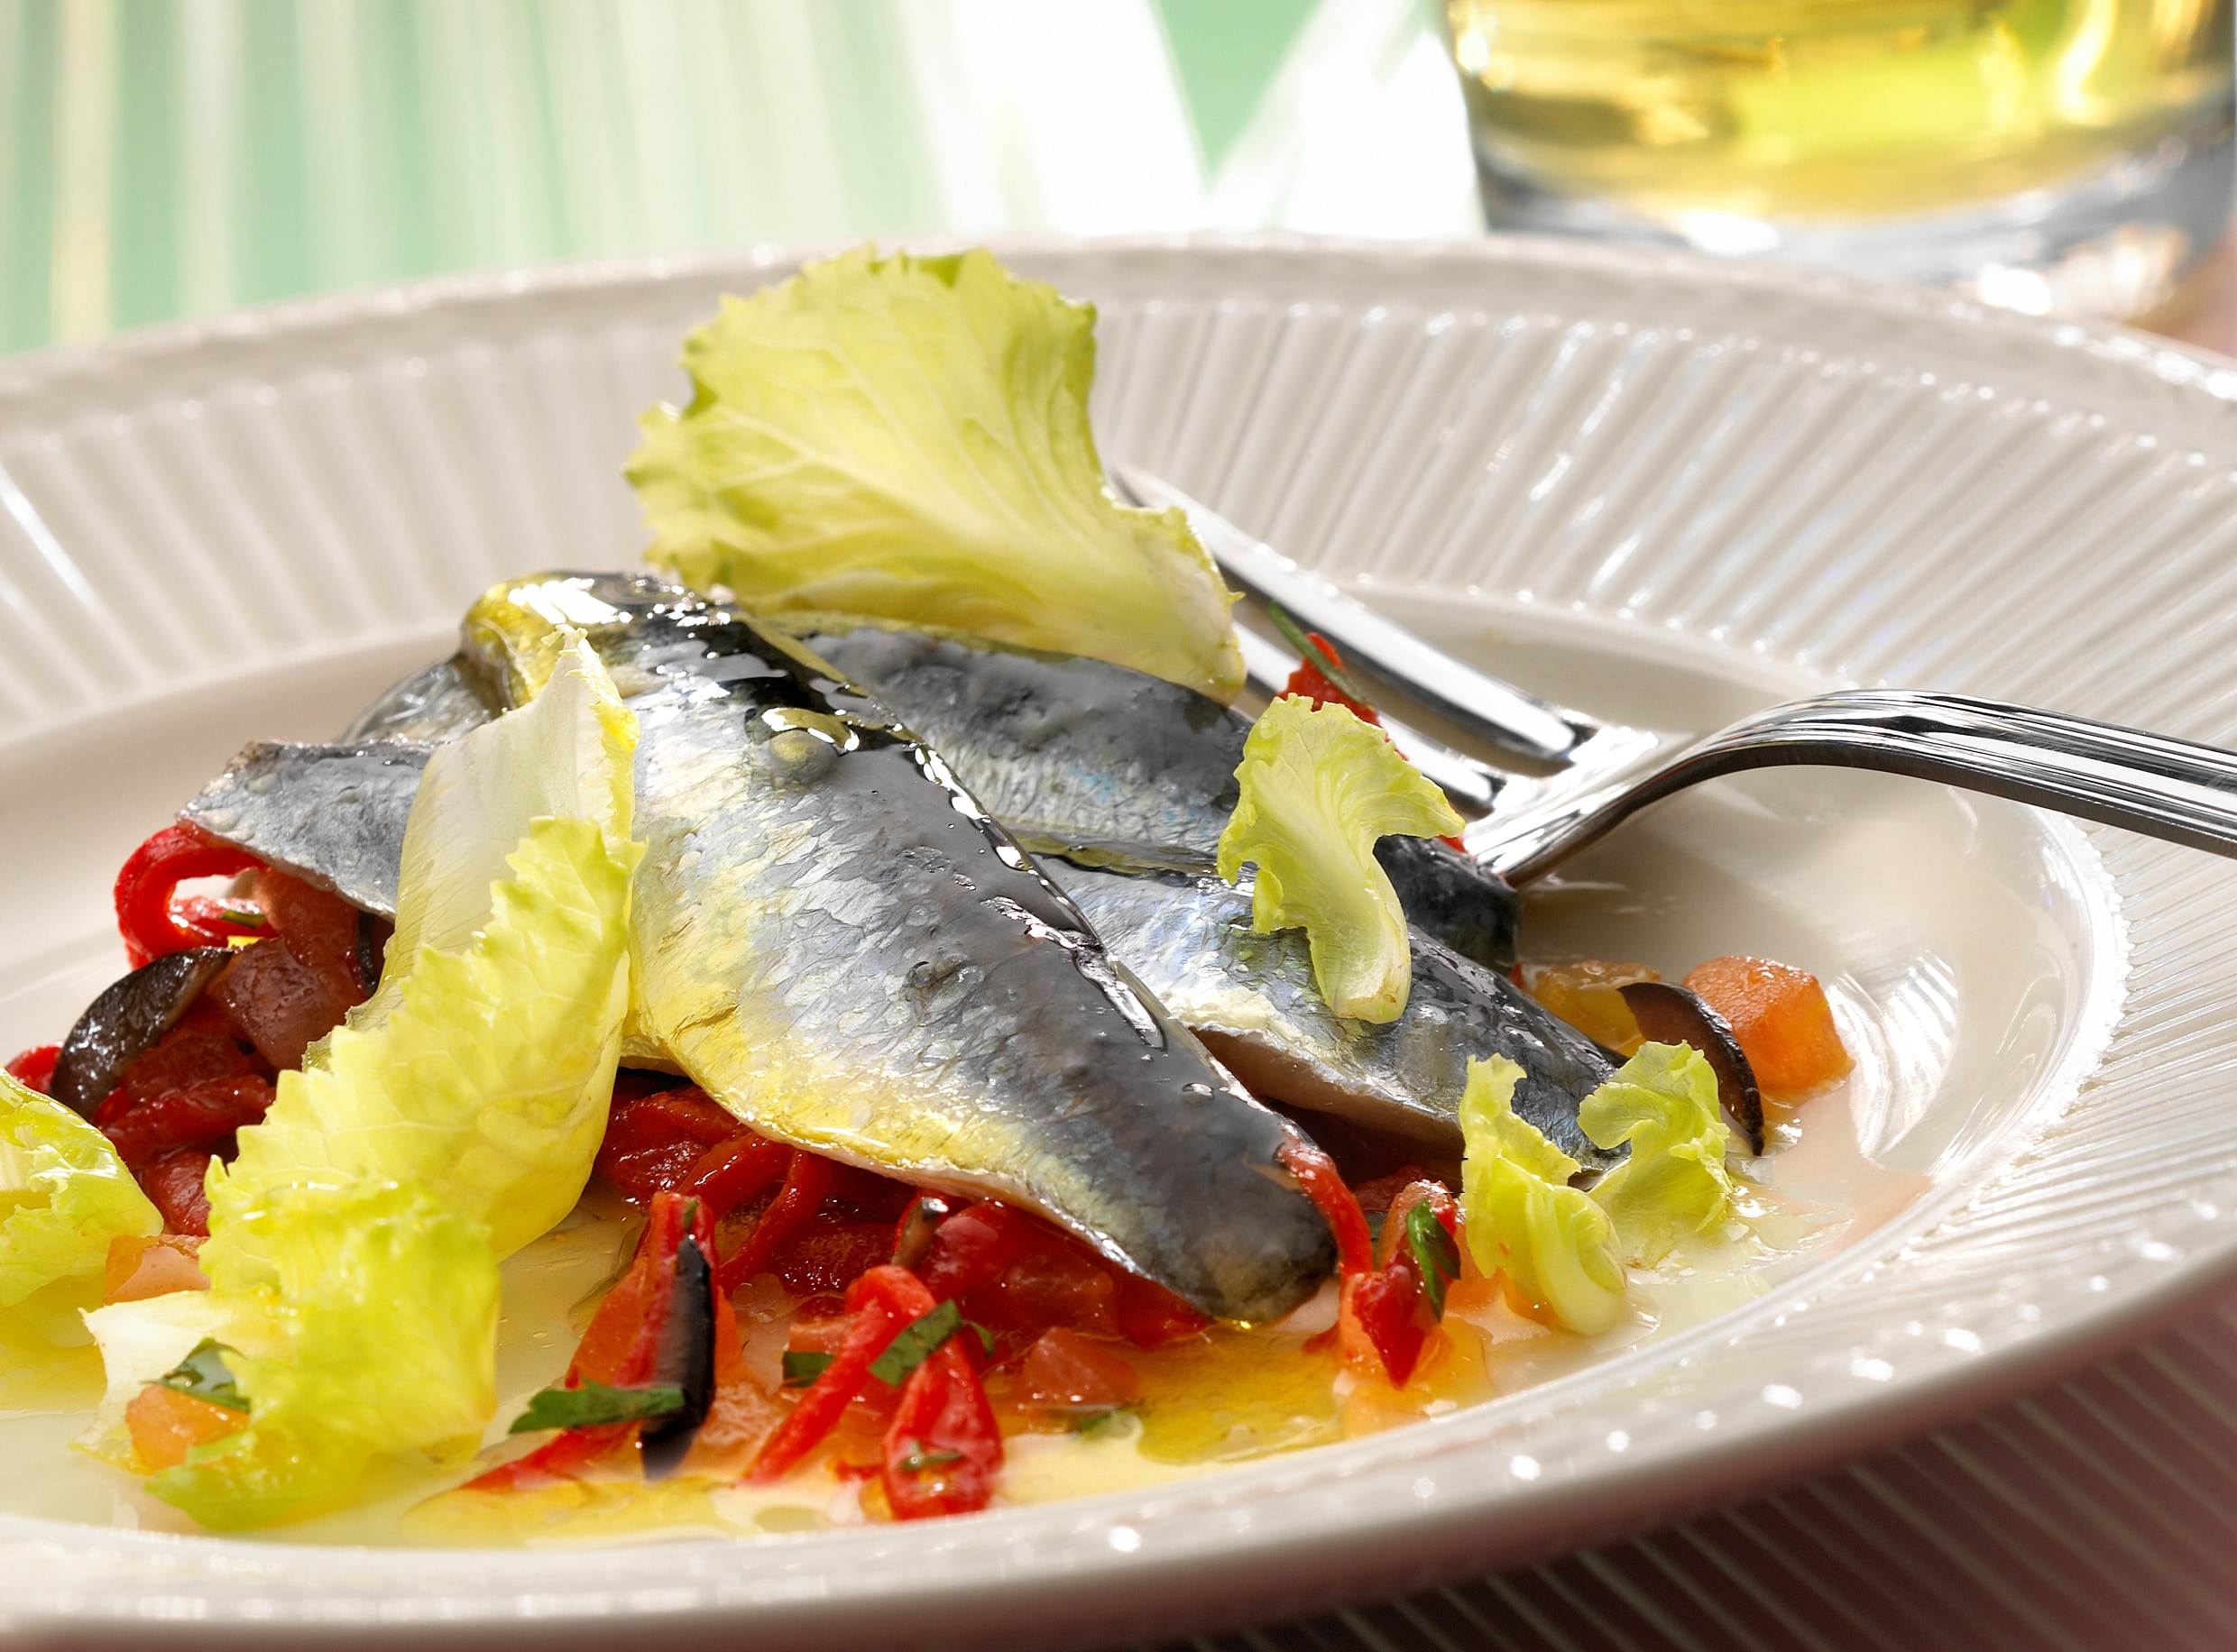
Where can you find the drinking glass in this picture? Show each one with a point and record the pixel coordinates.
(2066, 156)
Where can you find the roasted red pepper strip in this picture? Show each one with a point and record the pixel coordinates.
(151, 922)
(730, 1173)
(882, 1302)
(622, 1348)
(807, 1181)
(34, 1068)
(1316, 1173)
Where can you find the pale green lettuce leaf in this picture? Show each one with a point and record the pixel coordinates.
(907, 438)
(64, 1194)
(1522, 1218)
(386, 1305)
(1320, 788)
(479, 1076)
(1663, 1102)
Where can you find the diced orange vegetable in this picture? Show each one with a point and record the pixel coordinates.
(1781, 1018)
(154, 1266)
(1587, 997)
(166, 1425)
(1065, 1372)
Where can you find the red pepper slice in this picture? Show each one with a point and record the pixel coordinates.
(1316, 1171)
(622, 1348)
(34, 1068)
(807, 1181)
(882, 1302)
(150, 920)
(1393, 1307)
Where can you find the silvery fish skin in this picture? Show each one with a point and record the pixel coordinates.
(332, 815)
(1079, 752)
(834, 939)
(437, 704)
(1252, 999)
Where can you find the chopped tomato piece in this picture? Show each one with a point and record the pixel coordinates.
(34, 1068)
(165, 1425)
(155, 1265)
(204, 1045)
(1151, 1316)
(173, 1183)
(942, 1452)
(201, 1115)
(820, 1258)
(318, 927)
(1587, 997)
(1779, 1016)
(1388, 1315)
(1065, 1372)
(152, 922)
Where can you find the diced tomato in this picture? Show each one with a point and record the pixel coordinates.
(1065, 1372)
(1586, 995)
(173, 1183)
(828, 1258)
(34, 1067)
(1780, 1016)
(1388, 1315)
(1150, 1315)
(199, 1115)
(165, 1425)
(152, 922)
(202, 1047)
(154, 1265)
(942, 1451)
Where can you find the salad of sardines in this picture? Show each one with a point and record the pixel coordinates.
(852, 1022)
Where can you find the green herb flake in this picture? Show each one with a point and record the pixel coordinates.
(917, 1462)
(985, 1336)
(1316, 656)
(803, 1365)
(1103, 1424)
(203, 1375)
(247, 917)
(1433, 1251)
(595, 1404)
(917, 1343)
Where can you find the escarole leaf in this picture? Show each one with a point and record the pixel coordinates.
(384, 1306)
(1521, 1215)
(1320, 788)
(907, 438)
(480, 1071)
(64, 1194)
(1663, 1102)
(354, 1242)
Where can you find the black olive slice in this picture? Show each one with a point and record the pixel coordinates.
(127, 1019)
(686, 1360)
(1670, 1014)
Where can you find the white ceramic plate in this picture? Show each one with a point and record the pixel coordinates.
(1658, 488)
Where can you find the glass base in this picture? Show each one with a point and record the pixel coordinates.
(2113, 244)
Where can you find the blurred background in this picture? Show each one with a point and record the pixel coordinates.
(162, 159)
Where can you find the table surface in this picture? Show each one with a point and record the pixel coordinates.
(167, 158)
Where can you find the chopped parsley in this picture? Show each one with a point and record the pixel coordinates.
(203, 1375)
(803, 1365)
(594, 1404)
(918, 1342)
(1433, 1251)
(917, 1462)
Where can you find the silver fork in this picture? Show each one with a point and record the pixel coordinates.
(1604, 772)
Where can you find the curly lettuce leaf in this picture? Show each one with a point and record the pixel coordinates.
(1663, 1102)
(385, 1310)
(1521, 1215)
(479, 1076)
(1320, 788)
(907, 438)
(64, 1194)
